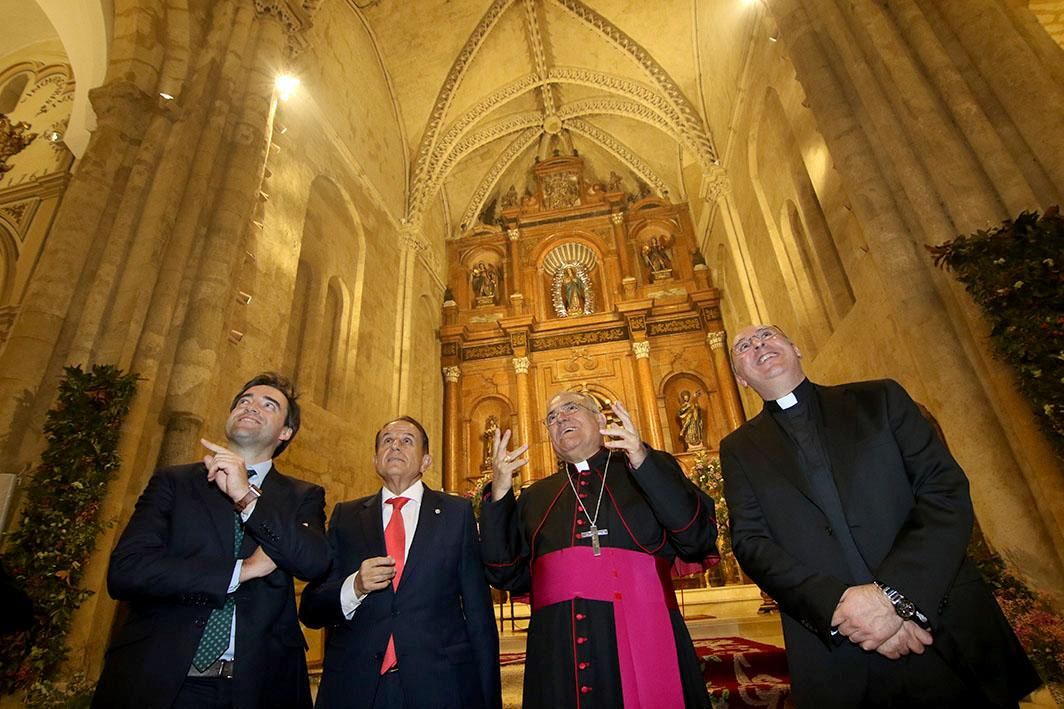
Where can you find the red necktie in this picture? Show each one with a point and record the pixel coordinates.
(395, 543)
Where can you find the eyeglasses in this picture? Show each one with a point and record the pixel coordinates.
(744, 345)
(567, 409)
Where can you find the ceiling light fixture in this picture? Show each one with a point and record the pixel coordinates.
(286, 85)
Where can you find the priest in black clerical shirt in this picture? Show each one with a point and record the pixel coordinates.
(850, 512)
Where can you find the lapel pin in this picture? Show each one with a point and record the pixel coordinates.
(437, 510)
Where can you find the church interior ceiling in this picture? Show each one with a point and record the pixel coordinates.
(484, 87)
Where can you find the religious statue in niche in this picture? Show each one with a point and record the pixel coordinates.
(572, 291)
(692, 421)
(614, 183)
(491, 426)
(484, 280)
(657, 257)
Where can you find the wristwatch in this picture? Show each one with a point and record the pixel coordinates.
(254, 493)
(905, 608)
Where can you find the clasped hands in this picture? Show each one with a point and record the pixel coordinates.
(228, 472)
(866, 617)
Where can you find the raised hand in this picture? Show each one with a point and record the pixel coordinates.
(625, 437)
(503, 464)
(227, 470)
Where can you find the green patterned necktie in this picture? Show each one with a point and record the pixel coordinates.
(215, 638)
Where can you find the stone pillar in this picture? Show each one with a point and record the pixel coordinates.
(620, 242)
(203, 334)
(729, 393)
(939, 361)
(647, 398)
(452, 475)
(524, 402)
(515, 288)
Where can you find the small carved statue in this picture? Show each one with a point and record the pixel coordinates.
(656, 255)
(614, 183)
(692, 420)
(491, 425)
(573, 292)
(484, 280)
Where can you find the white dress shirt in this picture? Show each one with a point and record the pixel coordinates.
(349, 599)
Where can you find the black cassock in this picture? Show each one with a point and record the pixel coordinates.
(572, 646)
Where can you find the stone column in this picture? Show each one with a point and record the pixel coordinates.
(729, 393)
(647, 398)
(939, 362)
(452, 475)
(620, 243)
(516, 288)
(203, 334)
(524, 411)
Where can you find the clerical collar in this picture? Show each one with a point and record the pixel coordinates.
(582, 465)
(597, 461)
(795, 397)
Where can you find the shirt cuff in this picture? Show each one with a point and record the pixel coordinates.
(246, 512)
(349, 600)
(234, 582)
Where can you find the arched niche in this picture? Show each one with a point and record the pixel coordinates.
(680, 392)
(478, 444)
(482, 276)
(575, 245)
(655, 249)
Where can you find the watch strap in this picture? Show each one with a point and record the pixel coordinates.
(253, 494)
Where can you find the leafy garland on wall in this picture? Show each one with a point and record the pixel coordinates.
(1016, 274)
(60, 521)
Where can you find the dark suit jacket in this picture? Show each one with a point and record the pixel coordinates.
(442, 617)
(907, 505)
(173, 564)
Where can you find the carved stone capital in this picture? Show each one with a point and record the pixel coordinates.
(521, 364)
(715, 339)
(641, 349)
(715, 184)
(514, 234)
(451, 374)
(617, 217)
(294, 16)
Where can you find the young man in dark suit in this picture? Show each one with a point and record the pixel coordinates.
(206, 565)
(850, 512)
(409, 612)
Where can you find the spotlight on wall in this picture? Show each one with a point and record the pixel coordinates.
(54, 136)
(165, 96)
(286, 85)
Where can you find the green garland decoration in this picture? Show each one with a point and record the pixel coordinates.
(1014, 272)
(60, 521)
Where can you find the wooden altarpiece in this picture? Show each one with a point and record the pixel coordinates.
(583, 288)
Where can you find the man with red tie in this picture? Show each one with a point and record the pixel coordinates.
(408, 609)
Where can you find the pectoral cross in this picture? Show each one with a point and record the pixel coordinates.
(595, 533)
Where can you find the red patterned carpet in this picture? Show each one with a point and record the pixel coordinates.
(744, 673)
(738, 672)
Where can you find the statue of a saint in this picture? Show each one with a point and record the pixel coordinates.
(573, 294)
(491, 425)
(484, 280)
(692, 421)
(655, 256)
